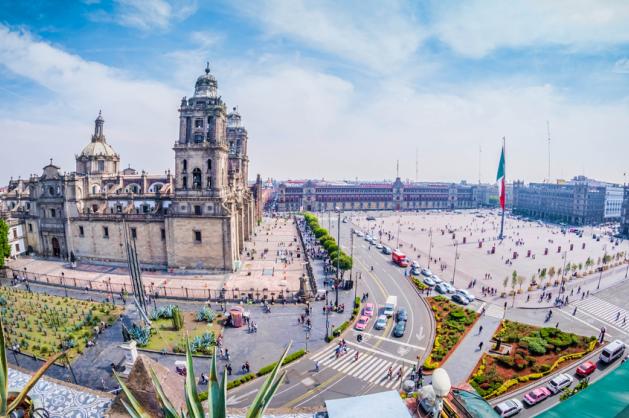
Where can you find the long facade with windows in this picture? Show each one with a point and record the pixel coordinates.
(312, 195)
(195, 218)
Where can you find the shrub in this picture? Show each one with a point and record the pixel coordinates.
(288, 359)
(177, 318)
(506, 360)
(536, 345)
(206, 314)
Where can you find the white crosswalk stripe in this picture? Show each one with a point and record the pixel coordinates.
(605, 311)
(369, 367)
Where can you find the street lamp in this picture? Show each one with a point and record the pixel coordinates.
(456, 256)
(563, 272)
(338, 256)
(441, 385)
(600, 276)
(327, 316)
(429, 246)
(63, 281)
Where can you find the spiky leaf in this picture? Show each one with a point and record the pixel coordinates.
(256, 409)
(195, 409)
(4, 374)
(167, 406)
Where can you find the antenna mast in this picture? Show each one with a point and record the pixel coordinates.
(480, 150)
(397, 168)
(548, 131)
(416, 165)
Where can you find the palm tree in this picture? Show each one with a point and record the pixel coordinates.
(217, 392)
(7, 406)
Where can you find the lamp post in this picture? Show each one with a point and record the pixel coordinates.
(456, 256)
(563, 272)
(600, 276)
(63, 280)
(429, 246)
(338, 257)
(327, 316)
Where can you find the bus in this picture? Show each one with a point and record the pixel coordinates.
(399, 258)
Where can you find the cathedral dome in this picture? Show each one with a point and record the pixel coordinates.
(206, 84)
(98, 149)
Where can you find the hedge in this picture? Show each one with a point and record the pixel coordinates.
(288, 359)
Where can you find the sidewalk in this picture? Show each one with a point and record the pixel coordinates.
(462, 362)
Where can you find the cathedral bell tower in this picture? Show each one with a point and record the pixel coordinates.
(201, 153)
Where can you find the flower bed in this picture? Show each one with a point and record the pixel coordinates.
(202, 335)
(452, 323)
(535, 352)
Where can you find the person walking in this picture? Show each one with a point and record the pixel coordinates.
(390, 373)
(480, 346)
(316, 366)
(480, 329)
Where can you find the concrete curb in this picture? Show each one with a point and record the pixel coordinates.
(433, 323)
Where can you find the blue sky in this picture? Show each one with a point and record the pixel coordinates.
(327, 89)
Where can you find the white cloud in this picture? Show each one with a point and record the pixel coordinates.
(621, 66)
(141, 117)
(477, 27)
(205, 39)
(148, 14)
(379, 35)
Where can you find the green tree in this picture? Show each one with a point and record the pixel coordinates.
(5, 248)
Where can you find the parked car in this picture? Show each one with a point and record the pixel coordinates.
(381, 322)
(415, 264)
(429, 281)
(467, 295)
(586, 368)
(536, 396)
(436, 279)
(427, 272)
(415, 271)
(386, 250)
(367, 237)
(379, 246)
(448, 286)
(441, 288)
(362, 322)
(360, 234)
(457, 297)
(368, 309)
(402, 315)
(557, 383)
(509, 408)
(371, 218)
(399, 329)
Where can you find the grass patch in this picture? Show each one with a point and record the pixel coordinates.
(165, 337)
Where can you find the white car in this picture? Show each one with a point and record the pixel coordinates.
(436, 279)
(360, 234)
(449, 287)
(367, 237)
(381, 322)
(467, 295)
(556, 384)
(379, 246)
(509, 408)
(427, 272)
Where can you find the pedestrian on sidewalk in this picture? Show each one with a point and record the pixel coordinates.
(316, 366)
(480, 329)
(480, 346)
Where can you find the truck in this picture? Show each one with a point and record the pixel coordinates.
(399, 258)
(389, 306)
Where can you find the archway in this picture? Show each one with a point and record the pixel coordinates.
(56, 249)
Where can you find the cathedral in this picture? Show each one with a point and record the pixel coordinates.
(195, 218)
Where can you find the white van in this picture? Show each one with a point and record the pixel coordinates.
(612, 351)
(389, 306)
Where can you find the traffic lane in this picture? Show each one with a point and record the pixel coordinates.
(530, 411)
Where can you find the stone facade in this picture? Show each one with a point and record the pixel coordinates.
(313, 195)
(195, 218)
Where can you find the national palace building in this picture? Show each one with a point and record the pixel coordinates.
(313, 195)
(196, 217)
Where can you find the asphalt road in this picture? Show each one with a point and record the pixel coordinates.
(345, 376)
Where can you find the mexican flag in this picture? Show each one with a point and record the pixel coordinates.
(500, 178)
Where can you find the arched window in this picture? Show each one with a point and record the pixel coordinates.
(209, 165)
(184, 164)
(184, 182)
(51, 190)
(196, 179)
(209, 182)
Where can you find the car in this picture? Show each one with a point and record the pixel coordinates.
(436, 279)
(509, 408)
(386, 250)
(457, 297)
(557, 383)
(612, 351)
(360, 234)
(415, 271)
(402, 315)
(371, 218)
(367, 237)
(467, 295)
(362, 322)
(536, 396)
(429, 281)
(368, 309)
(415, 265)
(399, 329)
(381, 322)
(448, 286)
(586, 369)
(344, 220)
(427, 272)
(379, 246)
(403, 263)
(441, 288)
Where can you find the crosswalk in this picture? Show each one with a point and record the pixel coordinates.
(369, 367)
(605, 311)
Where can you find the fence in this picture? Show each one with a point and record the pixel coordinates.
(311, 277)
(157, 292)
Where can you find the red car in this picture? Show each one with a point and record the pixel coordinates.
(586, 369)
(536, 396)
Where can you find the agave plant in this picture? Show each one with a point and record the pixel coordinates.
(6, 407)
(217, 392)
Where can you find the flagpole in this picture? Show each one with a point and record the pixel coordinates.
(504, 181)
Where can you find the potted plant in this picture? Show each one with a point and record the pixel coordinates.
(18, 401)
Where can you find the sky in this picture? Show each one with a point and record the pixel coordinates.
(326, 89)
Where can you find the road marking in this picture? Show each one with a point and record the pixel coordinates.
(420, 335)
(398, 342)
(585, 322)
(232, 400)
(382, 353)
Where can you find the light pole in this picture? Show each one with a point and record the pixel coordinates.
(338, 257)
(600, 276)
(351, 256)
(327, 316)
(397, 246)
(429, 246)
(456, 256)
(563, 272)
(63, 280)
